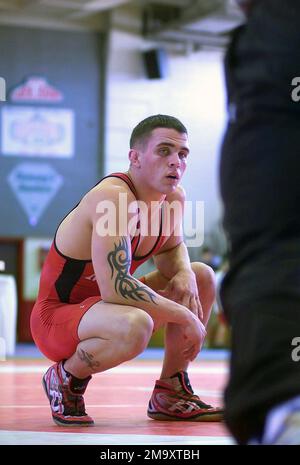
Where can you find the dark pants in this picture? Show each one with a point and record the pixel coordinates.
(260, 187)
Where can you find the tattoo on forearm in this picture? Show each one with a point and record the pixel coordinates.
(125, 285)
(88, 359)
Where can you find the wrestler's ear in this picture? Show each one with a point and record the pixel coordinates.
(135, 158)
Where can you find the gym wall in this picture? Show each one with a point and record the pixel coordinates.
(70, 62)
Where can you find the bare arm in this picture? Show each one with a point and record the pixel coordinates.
(173, 256)
(111, 256)
(173, 262)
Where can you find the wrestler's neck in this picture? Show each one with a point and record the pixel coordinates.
(144, 191)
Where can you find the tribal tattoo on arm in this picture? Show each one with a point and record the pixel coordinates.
(125, 285)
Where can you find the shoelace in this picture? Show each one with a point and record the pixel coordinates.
(191, 398)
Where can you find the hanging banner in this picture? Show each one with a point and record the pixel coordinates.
(33, 131)
(36, 89)
(34, 185)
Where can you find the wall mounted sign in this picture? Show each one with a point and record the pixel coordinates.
(34, 185)
(37, 131)
(36, 89)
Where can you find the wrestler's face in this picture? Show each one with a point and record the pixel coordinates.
(163, 159)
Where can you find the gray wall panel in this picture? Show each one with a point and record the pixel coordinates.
(70, 61)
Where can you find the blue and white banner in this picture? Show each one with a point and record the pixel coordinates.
(41, 132)
(34, 185)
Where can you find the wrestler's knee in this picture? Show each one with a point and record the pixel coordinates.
(205, 276)
(136, 332)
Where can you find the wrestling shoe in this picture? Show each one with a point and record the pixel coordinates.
(173, 399)
(66, 397)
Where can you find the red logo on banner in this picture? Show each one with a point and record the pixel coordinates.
(36, 89)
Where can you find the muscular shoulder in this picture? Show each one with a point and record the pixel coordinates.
(110, 189)
(112, 199)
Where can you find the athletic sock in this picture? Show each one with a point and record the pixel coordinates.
(76, 384)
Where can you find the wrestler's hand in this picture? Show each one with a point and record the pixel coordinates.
(194, 334)
(182, 288)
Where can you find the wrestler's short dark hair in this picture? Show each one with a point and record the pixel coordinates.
(142, 131)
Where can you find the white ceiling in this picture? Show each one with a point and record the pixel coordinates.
(199, 21)
(76, 13)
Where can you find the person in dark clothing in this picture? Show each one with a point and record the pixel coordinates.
(260, 188)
